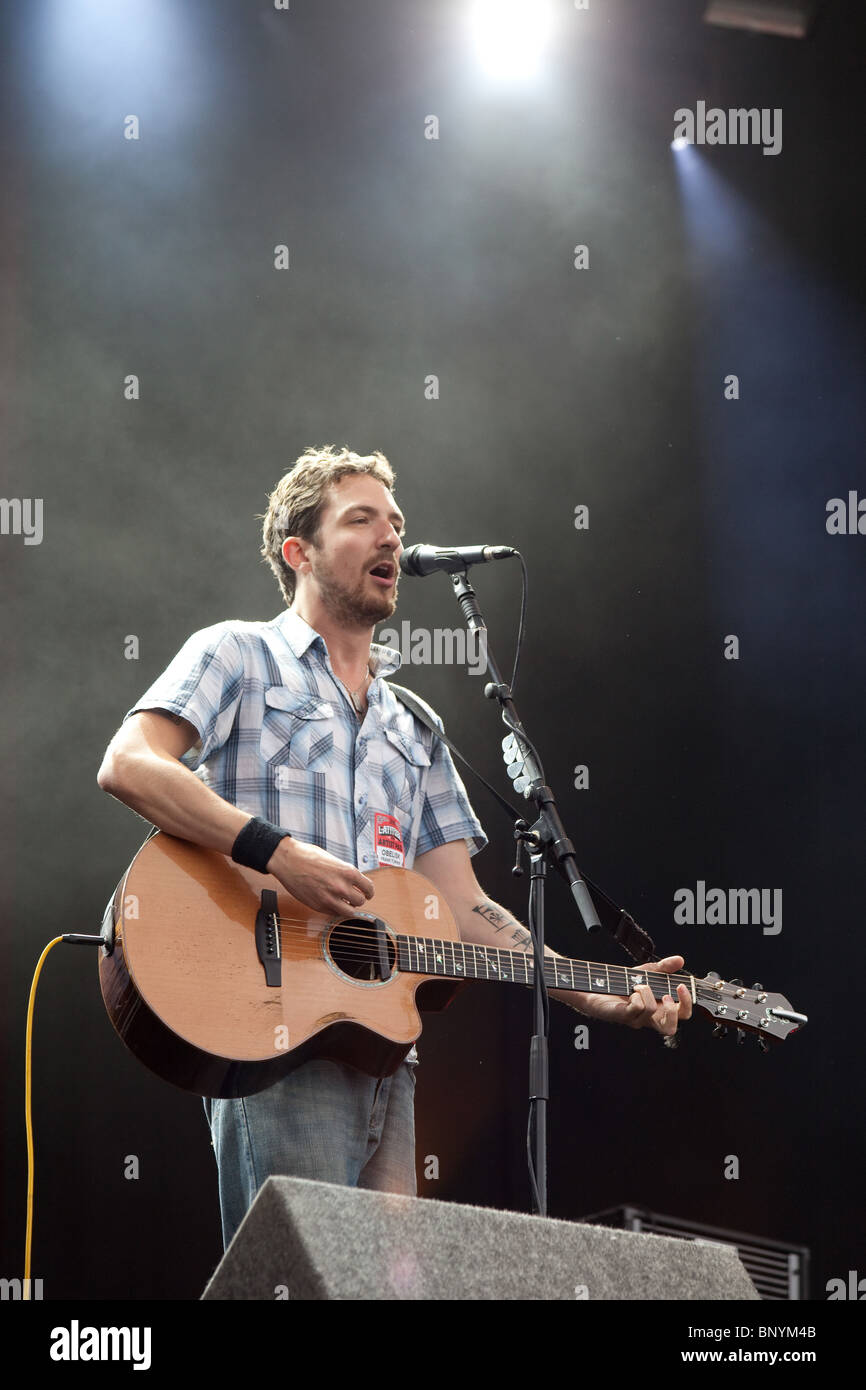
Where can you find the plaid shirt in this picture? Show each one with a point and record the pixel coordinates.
(279, 738)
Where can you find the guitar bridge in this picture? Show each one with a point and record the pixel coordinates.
(268, 939)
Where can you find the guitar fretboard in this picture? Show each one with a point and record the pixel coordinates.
(464, 960)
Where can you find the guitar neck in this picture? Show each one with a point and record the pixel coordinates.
(464, 960)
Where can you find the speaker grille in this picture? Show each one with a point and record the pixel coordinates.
(778, 1270)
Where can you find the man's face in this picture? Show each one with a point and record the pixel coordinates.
(354, 566)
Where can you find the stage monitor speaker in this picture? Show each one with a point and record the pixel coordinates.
(315, 1240)
(777, 1269)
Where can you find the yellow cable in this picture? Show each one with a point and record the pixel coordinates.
(27, 1115)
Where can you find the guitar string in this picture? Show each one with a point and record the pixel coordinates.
(701, 991)
(361, 934)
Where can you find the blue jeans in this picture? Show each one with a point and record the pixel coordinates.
(324, 1120)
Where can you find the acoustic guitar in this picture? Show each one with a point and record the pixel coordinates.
(221, 982)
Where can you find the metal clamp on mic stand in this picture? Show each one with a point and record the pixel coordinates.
(547, 836)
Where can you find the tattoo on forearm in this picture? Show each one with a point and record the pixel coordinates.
(499, 920)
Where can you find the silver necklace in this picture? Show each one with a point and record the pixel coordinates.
(353, 693)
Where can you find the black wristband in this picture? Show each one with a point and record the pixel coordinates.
(256, 843)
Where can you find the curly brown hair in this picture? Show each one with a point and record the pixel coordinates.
(296, 504)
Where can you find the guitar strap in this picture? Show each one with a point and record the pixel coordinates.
(615, 920)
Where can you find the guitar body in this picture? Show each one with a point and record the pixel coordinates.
(221, 982)
(221, 995)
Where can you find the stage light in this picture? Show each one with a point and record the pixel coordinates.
(681, 143)
(511, 36)
(791, 18)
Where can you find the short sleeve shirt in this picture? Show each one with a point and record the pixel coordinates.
(279, 738)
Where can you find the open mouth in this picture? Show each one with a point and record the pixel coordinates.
(384, 572)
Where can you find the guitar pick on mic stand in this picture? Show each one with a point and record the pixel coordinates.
(547, 836)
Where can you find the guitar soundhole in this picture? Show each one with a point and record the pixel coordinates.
(363, 949)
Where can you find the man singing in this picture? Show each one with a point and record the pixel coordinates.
(282, 745)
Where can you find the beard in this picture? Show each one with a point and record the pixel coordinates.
(353, 607)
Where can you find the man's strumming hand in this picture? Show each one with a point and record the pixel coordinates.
(318, 879)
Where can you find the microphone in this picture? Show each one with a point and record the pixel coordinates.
(421, 560)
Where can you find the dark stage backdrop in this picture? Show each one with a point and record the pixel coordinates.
(659, 423)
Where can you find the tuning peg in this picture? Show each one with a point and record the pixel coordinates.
(757, 986)
(735, 982)
(762, 1043)
(719, 1030)
(741, 1036)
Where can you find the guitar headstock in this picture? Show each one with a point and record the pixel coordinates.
(731, 1005)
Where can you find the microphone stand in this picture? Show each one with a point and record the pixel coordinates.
(545, 838)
